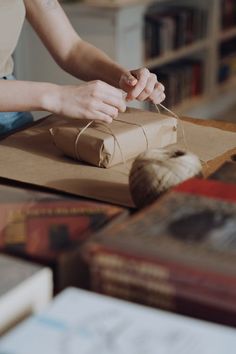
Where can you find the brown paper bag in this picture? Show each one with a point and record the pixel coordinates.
(106, 145)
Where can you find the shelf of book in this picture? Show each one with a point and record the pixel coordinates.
(227, 34)
(201, 100)
(177, 54)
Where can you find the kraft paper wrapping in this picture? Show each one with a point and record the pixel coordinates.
(106, 145)
(30, 156)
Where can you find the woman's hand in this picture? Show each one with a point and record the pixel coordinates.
(142, 85)
(94, 100)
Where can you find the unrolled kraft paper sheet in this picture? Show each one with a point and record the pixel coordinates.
(30, 156)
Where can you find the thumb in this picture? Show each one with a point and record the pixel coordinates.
(130, 80)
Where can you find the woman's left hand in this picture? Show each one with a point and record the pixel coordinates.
(142, 85)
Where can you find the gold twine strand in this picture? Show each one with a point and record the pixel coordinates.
(178, 119)
(138, 125)
(182, 130)
(117, 141)
(79, 135)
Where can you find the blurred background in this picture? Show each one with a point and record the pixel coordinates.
(190, 45)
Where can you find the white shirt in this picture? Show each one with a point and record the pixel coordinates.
(12, 15)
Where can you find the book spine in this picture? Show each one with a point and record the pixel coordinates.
(173, 27)
(207, 283)
(122, 277)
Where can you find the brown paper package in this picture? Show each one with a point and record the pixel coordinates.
(106, 145)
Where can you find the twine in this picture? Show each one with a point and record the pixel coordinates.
(156, 170)
(79, 135)
(182, 130)
(139, 125)
(178, 119)
(114, 136)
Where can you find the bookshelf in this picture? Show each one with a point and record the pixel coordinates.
(118, 26)
(177, 54)
(227, 34)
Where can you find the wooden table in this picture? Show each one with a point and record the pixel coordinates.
(230, 155)
(208, 169)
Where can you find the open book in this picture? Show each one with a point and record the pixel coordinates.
(81, 322)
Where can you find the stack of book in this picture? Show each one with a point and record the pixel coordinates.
(228, 13)
(49, 229)
(81, 322)
(173, 28)
(178, 254)
(182, 80)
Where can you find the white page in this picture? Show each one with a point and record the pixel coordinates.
(80, 322)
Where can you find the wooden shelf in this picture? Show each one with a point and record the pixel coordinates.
(229, 84)
(177, 54)
(184, 106)
(192, 102)
(227, 34)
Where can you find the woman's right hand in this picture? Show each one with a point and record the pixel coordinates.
(95, 100)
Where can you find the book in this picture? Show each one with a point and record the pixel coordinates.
(168, 28)
(25, 288)
(228, 14)
(82, 322)
(178, 254)
(182, 79)
(49, 229)
(227, 61)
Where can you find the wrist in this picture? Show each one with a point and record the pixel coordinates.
(50, 98)
(115, 75)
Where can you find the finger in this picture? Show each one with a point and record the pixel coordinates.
(102, 117)
(158, 93)
(114, 101)
(129, 79)
(160, 86)
(141, 84)
(157, 97)
(100, 88)
(98, 110)
(108, 110)
(149, 88)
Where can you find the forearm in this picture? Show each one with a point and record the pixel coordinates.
(73, 54)
(19, 96)
(87, 62)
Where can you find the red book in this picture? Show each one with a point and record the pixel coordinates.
(182, 246)
(50, 229)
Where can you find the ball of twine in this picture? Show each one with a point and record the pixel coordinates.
(155, 171)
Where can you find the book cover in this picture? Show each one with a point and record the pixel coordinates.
(50, 229)
(182, 246)
(25, 288)
(82, 322)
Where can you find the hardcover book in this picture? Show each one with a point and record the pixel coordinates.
(25, 288)
(82, 322)
(50, 229)
(179, 253)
